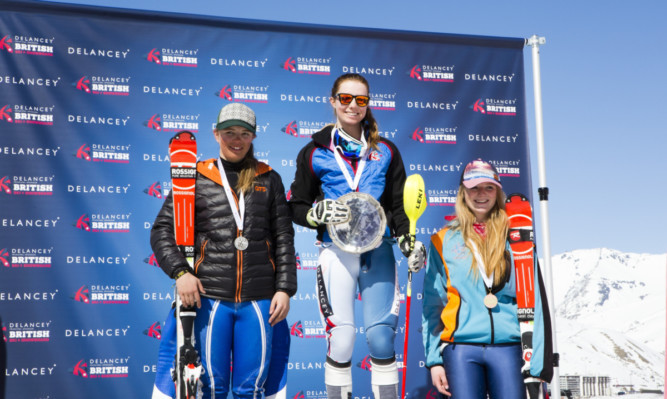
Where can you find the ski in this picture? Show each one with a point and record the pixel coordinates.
(521, 241)
(183, 159)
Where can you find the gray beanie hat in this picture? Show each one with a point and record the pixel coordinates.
(236, 114)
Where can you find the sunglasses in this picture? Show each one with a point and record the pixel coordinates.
(346, 99)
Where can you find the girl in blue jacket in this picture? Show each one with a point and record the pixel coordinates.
(470, 324)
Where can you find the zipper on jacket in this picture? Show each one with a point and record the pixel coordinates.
(493, 333)
(239, 270)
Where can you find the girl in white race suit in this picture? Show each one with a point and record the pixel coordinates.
(342, 158)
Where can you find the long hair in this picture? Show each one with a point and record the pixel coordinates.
(248, 171)
(492, 247)
(368, 123)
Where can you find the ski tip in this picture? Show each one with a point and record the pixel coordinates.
(516, 197)
(183, 135)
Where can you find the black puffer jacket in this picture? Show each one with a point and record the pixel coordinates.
(266, 266)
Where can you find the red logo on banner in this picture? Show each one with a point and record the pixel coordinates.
(81, 295)
(83, 84)
(4, 114)
(291, 129)
(83, 152)
(415, 72)
(225, 93)
(81, 369)
(154, 123)
(479, 106)
(154, 331)
(4, 256)
(155, 190)
(297, 329)
(418, 135)
(83, 222)
(153, 56)
(366, 363)
(5, 185)
(290, 65)
(152, 260)
(299, 395)
(4, 44)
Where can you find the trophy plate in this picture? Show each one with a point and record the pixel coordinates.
(367, 224)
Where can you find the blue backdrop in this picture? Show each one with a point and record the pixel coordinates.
(89, 98)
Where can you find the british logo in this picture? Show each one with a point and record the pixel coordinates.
(101, 368)
(307, 329)
(171, 123)
(311, 394)
(365, 363)
(432, 73)
(435, 135)
(104, 223)
(442, 197)
(115, 294)
(104, 85)
(27, 185)
(507, 168)
(173, 57)
(154, 330)
(308, 65)
(109, 153)
(304, 129)
(494, 106)
(28, 114)
(26, 257)
(34, 331)
(306, 261)
(244, 93)
(383, 101)
(30, 45)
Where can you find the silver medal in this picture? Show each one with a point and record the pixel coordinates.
(241, 243)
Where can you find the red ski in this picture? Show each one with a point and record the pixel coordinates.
(183, 157)
(521, 241)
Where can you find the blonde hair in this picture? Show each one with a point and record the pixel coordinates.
(248, 171)
(492, 246)
(368, 123)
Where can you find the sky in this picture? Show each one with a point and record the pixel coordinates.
(604, 90)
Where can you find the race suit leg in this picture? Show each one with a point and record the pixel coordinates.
(164, 384)
(251, 349)
(337, 274)
(378, 283)
(475, 370)
(276, 382)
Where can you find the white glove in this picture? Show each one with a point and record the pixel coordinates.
(328, 211)
(417, 258)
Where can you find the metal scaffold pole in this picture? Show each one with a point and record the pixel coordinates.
(543, 191)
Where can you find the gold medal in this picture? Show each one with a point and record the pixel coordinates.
(490, 301)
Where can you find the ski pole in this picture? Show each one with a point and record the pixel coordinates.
(414, 203)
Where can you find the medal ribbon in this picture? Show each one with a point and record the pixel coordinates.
(238, 209)
(488, 280)
(341, 164)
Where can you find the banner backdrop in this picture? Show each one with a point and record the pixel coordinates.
(89, 99)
